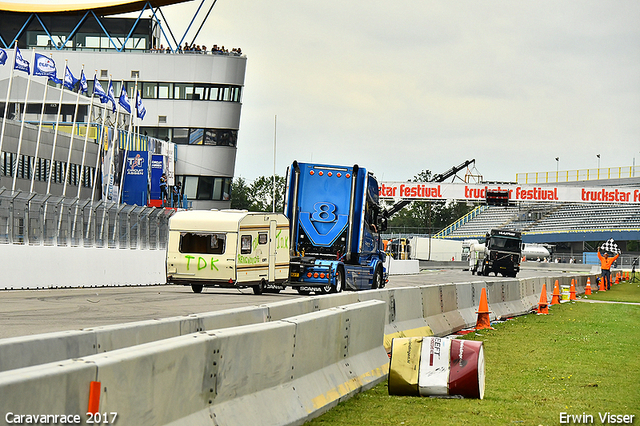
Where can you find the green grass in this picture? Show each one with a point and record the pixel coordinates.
(581, 358)
(623, 292)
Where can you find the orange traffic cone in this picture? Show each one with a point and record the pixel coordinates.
(572, 290)
(555, 300)
(483, 321)
(618, 278)
(625, 275)
(543, 307)
(587, 289)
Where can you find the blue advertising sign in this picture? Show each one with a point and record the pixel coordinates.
(136, 174)
(157, 168)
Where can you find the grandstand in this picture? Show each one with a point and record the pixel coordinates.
(548, 219)
(572, 227)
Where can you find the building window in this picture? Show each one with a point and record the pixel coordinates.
(206, 187)
(187, 91)
(165, 90)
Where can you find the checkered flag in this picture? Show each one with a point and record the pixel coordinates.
(610, 246)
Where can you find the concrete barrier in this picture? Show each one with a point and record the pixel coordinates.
(84, 267)
(25, 351)
(433, 312)
(237, 365)
(277, 373)
(466, 301)
(407, 315)
(450, 310)
(402, 267)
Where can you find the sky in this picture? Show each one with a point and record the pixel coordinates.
(401, 87)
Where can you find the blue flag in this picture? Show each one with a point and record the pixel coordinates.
(124, 100)
(84, 88)
(3, 57)
(99, 91)
(110, 97)
(45, 67)
(21, 64)
(69, 80)
(140, 109)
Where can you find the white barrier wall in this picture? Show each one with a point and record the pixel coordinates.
(402, 267)
(279, 373)
(25, 267)
(279, 363)
(410, 311)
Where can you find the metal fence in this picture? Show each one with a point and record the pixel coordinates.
(36, 219)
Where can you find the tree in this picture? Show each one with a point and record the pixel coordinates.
(240, 194)
(427, 217)
(262, 194)
(258, 196)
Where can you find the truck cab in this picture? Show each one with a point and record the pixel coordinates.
(502, 253)
(335, 226)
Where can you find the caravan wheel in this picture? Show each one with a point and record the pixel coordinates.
(258, 289)
(197, 288)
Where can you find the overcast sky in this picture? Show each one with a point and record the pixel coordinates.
(400, 87)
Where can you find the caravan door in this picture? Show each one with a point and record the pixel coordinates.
(272, 251)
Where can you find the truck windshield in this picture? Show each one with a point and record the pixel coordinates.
(508, 244)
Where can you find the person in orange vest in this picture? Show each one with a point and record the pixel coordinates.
(605, 267)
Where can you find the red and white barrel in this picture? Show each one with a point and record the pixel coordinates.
(432, 366)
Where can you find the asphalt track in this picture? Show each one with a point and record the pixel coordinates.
(25, 312)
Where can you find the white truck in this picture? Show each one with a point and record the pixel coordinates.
(466, 245)
(423, 248)
(228, 248)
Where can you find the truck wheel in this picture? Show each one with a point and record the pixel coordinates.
(485, 271)
(377, 279)
(339, 282)
(197, 288)
(258, 289)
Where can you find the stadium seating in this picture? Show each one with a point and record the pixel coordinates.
(550, 218)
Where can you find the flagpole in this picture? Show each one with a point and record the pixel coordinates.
(129, 141)
(6, 105)
(24, 111)
(55, 134)
(84, 152)
(95, 173)
(75, 119)
(114, 147)
(86, 140)
(35, 159)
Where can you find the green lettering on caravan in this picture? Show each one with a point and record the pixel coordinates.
(248, 260)
(213, 261)
(283, 242)
(203, 260)
(188, 260)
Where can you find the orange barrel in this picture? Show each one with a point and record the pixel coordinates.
(433, 366)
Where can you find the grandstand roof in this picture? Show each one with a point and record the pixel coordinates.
(104, 7)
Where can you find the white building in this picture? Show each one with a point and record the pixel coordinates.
(193, 99)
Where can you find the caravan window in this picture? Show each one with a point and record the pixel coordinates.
(262, 238)
(191, 242)
(245, 244)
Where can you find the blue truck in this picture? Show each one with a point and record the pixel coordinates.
(335, 221)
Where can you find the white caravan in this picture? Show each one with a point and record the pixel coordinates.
(228, 248)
